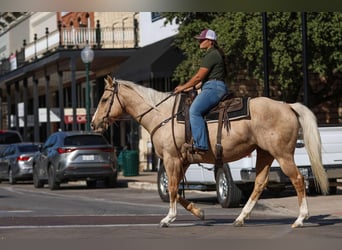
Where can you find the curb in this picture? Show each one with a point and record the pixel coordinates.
(143, 185)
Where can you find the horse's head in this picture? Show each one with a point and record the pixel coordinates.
(109, 107)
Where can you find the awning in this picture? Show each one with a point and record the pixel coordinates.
(157, 60)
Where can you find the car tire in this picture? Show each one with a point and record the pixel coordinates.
(52, 180)
(37, 183)
(91, 183)
(333, 189)
(111, 182)
(162, 183)
(11, 178)
(228, 194)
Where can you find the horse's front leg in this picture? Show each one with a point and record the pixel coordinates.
(173, 193)
(190, 206)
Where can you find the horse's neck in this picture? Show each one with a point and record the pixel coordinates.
(142, 112)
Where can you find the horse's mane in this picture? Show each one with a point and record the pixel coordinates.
(150, 95)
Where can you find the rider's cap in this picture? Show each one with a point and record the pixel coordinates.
(207, 34)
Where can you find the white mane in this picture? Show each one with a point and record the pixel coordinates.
(151, 96)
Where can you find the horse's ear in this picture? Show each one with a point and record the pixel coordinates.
(109, 81)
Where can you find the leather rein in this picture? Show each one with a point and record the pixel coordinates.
(115, 90)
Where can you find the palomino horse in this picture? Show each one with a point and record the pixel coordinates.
(271, 130)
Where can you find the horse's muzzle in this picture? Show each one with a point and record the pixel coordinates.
(100, 128)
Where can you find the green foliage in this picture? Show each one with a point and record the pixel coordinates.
(240, 35)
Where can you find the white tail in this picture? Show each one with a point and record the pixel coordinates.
(313, 145)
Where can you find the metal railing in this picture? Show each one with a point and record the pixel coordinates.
(71, 38)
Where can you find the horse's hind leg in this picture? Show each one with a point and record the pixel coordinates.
(263, 164)
(290, 169)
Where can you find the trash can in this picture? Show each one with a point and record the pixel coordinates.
(130, 163)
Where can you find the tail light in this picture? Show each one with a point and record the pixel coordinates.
(110, 150)
(23, 158)
(65, 150)
(68, 150)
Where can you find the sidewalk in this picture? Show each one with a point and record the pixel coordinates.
(145, 180)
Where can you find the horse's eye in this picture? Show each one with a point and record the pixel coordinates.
(103, 100)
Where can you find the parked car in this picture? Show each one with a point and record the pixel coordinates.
(8, 137)
(236, 179)
(74, 156)
(16, 161)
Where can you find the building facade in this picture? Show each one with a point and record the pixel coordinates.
(43, 79)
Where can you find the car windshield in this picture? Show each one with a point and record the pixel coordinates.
(85, 140)
(9, 138)
(28, 148)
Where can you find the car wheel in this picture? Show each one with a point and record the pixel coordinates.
(163, 183)
(53, 183)
(333, 189)
(110, 182)
(91, 183)
(228, 194)
(11, 178)
(37, 183)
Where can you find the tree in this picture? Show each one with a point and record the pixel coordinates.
(240, 35)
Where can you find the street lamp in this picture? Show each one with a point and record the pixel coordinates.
(87, 55)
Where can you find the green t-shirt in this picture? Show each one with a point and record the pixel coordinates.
(213, 61)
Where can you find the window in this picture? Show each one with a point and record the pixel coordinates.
(155, 16)
(85, 140)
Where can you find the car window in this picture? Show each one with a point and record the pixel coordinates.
(8, 137)
(28, 148)
(85, 140)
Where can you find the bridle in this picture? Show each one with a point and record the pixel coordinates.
(115, 91)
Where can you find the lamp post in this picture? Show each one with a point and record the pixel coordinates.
(87, 55)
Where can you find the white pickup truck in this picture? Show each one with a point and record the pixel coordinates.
(236, 178)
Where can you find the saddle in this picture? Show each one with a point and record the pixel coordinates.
(228, 109)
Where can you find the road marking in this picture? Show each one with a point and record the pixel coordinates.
(93, 226)
(15, 211)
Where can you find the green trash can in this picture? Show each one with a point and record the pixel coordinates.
(130, 163)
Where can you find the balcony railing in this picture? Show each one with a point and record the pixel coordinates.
(70, 38)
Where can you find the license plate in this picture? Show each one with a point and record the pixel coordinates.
(88, 157)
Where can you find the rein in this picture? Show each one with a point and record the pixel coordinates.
(150, 109)
(115, 90)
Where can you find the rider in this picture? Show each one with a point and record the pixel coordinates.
(210, 77)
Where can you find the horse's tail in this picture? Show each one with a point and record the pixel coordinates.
(313, 145)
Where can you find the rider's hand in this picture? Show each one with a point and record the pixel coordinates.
(178, 89)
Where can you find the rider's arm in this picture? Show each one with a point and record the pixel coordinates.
(195, 80)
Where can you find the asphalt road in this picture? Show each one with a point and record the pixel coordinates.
(127, 215)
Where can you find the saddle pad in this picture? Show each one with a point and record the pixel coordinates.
(238, 109)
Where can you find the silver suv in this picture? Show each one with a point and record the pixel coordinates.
(16, 161)
(73, 156)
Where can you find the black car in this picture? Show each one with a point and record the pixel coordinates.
(8, 137)
(73, 156)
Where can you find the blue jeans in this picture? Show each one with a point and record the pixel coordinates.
(211, 94)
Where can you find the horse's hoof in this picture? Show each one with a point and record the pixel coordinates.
(163, 224)
(296, 225)
(201, 215)
(238, 223)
